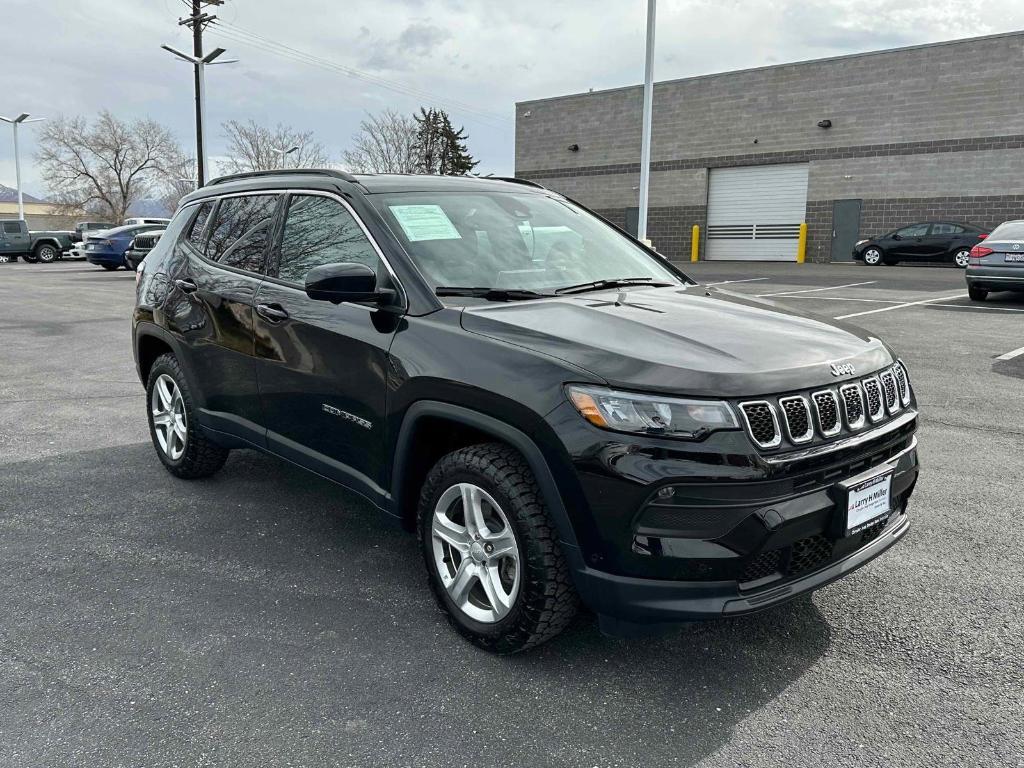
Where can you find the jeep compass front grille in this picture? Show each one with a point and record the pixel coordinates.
(797, 419)
(827, 407)
(761, 421)
(892, 398)
(853, 405)
(873, 390)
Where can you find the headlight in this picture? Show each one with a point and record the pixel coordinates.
(860, 242)
(651, 414)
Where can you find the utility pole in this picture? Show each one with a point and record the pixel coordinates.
(198, 21)
(645, 140)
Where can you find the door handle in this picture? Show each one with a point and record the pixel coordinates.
(186, 286)
(272, 313)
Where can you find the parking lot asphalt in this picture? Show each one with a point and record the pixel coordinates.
(267, 617)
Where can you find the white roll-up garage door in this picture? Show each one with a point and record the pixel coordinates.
(755, 212)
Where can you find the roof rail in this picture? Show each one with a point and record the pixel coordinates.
(284, 172)
(516, 180)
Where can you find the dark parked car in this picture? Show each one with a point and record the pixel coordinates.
(998, 265)
(107, 250)
(934, 241)
(140, 246)
(580, 423)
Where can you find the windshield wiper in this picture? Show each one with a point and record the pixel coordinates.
(491, 294)
(597, 285)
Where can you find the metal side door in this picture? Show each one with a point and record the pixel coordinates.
(323, 367)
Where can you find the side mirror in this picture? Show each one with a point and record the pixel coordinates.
(350, 281)
(897, 237)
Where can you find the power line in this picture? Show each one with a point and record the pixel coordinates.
(245, 37)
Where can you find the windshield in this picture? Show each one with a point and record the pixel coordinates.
(505, 241)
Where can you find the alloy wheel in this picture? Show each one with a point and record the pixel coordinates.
(872, 256)
(47, 254)
(170, 425)
(962, 257)
(475, 553)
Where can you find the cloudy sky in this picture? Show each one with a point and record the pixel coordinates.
(476, 58)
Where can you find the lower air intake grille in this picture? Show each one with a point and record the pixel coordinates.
(762, 424)
(765, 564)
(809, 553)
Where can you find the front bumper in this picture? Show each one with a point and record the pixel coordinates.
(702, 531)
(623, 603)
(995, 278)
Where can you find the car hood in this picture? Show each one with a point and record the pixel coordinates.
(692, 340)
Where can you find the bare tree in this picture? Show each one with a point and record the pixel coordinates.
(385, 143)
(177, 179)
(103, 167)
(251, 147)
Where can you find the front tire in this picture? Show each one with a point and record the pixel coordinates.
(962, 257)
(46, 253)
(492, 555)
(873, 257)
(109, 267)
(977, 294)
(173, 426)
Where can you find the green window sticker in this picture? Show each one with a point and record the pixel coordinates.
(425, 222)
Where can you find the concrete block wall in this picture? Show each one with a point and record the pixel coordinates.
(937, 127)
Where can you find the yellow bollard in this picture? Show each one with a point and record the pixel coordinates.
(801, 244)
(695, 243)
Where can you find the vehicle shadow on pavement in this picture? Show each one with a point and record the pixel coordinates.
(268, 612)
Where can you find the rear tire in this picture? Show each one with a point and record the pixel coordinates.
(977, 294)
(46, 253)
(173, 424)
(109, 267)
(518, 596)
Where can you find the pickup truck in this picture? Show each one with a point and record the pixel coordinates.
(16, 240)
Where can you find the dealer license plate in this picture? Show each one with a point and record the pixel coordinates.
(868, 501)
(1015, 257)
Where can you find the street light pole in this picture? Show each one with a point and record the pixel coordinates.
(200, 64)
(645, 140)
(15, 122)
(283, 152)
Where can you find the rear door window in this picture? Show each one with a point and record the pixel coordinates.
(241, 233)
(946, 229)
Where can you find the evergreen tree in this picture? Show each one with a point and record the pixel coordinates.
(440, 149)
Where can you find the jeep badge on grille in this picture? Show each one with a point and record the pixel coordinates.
(842, 369)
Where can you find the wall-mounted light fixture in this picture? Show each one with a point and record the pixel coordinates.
(825, 123)
(574, 147)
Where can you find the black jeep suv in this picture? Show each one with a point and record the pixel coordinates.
(559, 412)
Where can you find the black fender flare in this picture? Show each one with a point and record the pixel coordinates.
(147, 328)
(501, 431)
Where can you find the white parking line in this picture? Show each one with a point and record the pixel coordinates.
(1011, 355)
(815, 290)
(900, 306)
(979, 307)
(845, 298)
(745, 280)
